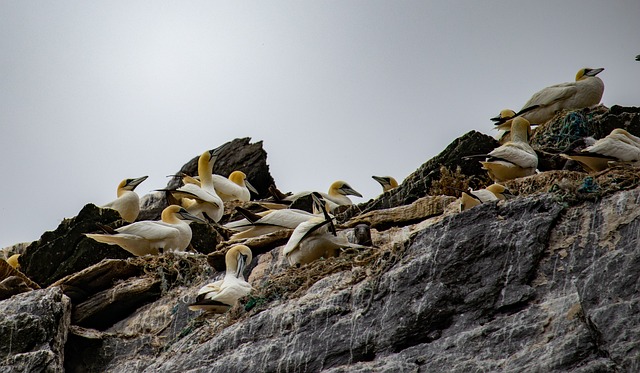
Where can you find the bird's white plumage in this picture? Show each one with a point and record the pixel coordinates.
(309, 242)
(585, 92)
(515, 158)
(128, 203)
(147, 237)
(618, 146)
(235, 187)
(273, 221)
(202, 199)
(221, 295)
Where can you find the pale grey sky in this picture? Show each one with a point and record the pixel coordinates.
(95, 92)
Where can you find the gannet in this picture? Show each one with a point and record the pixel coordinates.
(585, 92)
(618, 146)
(387, 182)
(148, 237)
(273, 221)
(336, 196)
(220, 296)
(505, 117)
(515, 158)
(314, 239)
(204, 199)
(270, 221)
(128, 202)
(493, 192)
(235, 187)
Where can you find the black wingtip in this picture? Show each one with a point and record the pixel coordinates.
(250, 216)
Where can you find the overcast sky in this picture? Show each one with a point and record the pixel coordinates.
(94, 92)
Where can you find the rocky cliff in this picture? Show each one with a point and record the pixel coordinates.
(545, 282)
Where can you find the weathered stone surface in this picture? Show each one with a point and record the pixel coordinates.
(33, 331)
(105, 307)
(522, 285)
(97, 278)
(67, 250)
(420, 209)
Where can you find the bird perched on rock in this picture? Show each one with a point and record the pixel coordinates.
(149, 237)
(618, 146)
(220, 296)
(316, 238)
(128, 202)
(493, 192)
(503, 123)
(336, 196)
(585, 92)
(270, 221)
(201, 199)
(387, 182)
(515, 158)
(235, 187)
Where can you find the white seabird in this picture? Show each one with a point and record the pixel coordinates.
(387, 182)
(128, 202)
(220, 296)
(515, 158)
(585, 92)
(148, 237)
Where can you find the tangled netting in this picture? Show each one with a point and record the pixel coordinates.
(564, 129)
(573, 187)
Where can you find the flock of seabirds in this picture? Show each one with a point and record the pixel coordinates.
(314, 234)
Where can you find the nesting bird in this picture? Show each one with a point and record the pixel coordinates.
(201, 199)
(315, 238)
(618, 146)
(336, 195)
(235, 187)
(515, 158)
(149, 237)
(268, 222)
(585, 92)
(128, 203)
(493, 192)
(220, 296)
(503, 123)
(387, 182)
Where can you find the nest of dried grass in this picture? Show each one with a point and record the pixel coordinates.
(174, 268)
(452, 183)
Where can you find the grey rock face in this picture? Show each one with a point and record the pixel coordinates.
(33, 331)
(67, 250)
(526, 285)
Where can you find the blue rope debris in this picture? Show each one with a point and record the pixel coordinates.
(575, 126)
(588, 185)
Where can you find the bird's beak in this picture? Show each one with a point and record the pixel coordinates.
(135, 182)
(349, 191)
(242, 262)
(187, 215)
(594, 72)
(507, 194)
(381, 180)
(250, 187)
